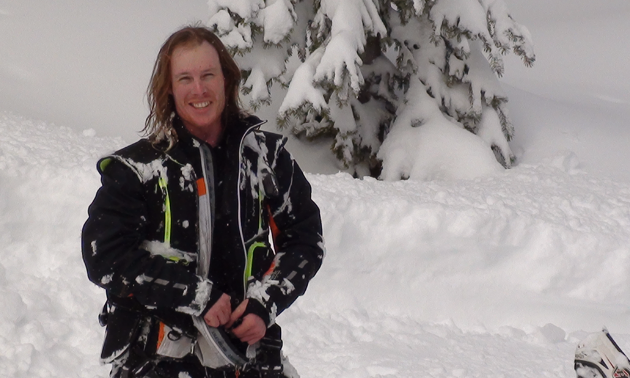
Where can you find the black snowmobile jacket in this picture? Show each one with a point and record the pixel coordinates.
(141, 240)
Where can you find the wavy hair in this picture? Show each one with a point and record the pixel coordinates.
(158, 126)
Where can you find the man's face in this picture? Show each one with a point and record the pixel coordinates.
(198, 88)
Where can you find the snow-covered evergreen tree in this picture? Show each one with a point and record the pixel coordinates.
(369, 67)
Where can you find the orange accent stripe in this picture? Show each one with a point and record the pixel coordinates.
(160, 335)
(275, 231)
(201, 187)
(271, 267)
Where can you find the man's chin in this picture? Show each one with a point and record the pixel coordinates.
(200, 123)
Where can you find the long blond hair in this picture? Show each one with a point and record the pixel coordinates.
(158, 126)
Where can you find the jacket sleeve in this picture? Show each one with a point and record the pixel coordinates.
(297, 229)
(111, 239)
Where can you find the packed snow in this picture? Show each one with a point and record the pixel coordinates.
(470, 272)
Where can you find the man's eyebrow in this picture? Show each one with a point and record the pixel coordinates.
(183, 73)
(209, 69)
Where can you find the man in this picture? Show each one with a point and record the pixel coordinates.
(179, 232)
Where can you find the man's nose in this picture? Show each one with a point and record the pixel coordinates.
(199, 87)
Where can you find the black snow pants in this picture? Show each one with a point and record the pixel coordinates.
(188, 366)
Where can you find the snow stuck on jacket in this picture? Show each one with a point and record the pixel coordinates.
(202, 294)
(159, 248)
(147, 171)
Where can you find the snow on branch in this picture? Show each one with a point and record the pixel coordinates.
(454, 17)
(278, 18)
(351, 20)
(508, 34)
(245, 9)
(302, 90)
(261, 66)
(237, 38)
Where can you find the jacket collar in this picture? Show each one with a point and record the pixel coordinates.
(234, 131)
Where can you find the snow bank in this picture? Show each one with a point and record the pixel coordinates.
(435, 149)
(48, 309)
(533, 245)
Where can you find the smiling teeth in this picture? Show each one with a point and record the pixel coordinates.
(201, 104)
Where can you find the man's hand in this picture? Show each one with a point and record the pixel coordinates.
(219, 313)
(251, 330)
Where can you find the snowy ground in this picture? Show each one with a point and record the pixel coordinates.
(496, 276)
(499, 276)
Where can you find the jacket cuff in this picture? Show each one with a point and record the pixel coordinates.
(257, 308)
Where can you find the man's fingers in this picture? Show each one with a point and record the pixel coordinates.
(211, 321)
(251, 330)
(238, 312)
(249, 339)
(252, 337)
(224, 316)
(219, 313)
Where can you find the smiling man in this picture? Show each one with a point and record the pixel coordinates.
(198, 88)
(202, 233)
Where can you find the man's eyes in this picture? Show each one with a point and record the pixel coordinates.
(187, 79)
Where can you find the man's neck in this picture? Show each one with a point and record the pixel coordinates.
(211, 136)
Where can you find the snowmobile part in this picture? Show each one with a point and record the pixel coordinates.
(588, 370)
(598, 355)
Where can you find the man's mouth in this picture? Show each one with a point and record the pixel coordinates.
(200, 105)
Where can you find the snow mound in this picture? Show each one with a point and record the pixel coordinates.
(48, 308)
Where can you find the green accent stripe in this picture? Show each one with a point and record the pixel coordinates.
(167, 212)
(250, 251)
(250, 260)
(104, 163)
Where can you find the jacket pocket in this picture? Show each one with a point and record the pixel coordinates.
(259, 259)
(123, 327)
(171, 343)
